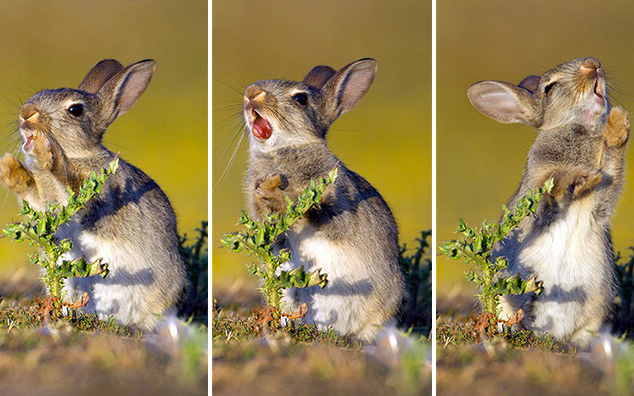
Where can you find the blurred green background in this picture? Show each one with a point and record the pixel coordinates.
(54, 44)
(481, 162)
(387, 138)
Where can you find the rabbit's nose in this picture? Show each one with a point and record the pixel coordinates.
(28, 116)
(253, 92)
(589, 64)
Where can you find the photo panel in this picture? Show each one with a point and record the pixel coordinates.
(374, 101)
(499, 138)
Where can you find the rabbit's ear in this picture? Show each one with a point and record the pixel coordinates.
(99, 75)
(504, 102)
(530, 83)
(318, 76)
(346, 88)
(122, 91)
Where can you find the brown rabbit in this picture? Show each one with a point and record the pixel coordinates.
(581, 143)
(352, 236)
(131, 224)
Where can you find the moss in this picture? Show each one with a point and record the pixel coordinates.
(22, 318)
(467, 333)
(243, 326)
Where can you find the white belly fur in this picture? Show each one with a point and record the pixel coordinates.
(118, 294)
(343, 303)
(570, 259)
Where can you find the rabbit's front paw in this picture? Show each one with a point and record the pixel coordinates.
(584, 182)
(269, 192)
(271, 182)
(618, 128)
(572, 183)
(14, 175)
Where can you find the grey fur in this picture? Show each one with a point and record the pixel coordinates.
(131, 225)
(352, 237)
(581, 143)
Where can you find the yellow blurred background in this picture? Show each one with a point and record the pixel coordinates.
(481, 162)
(387, 138)
(54, 44)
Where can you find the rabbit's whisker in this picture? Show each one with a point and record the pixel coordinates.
(229, 86)
(4, 201)
(230, 163)
(239, 126)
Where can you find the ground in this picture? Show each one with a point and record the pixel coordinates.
(305, 361)
(88, 356)
(524, 364)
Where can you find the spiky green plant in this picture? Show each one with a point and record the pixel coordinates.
(416, 267)
(476, 247)
(624, 269)
(195, 257)
(39, 229)
(260, 236)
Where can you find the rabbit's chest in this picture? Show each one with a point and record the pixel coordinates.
(570, 252)
(567, 150)
(85, 243)
(310, 249)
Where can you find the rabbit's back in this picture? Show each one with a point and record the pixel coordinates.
(132, 227)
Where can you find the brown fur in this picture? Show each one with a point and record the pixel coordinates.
(581, 144)
(131, 224)
(352, 235)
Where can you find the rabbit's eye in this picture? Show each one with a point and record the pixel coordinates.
(301, 98)
(76, 110)
(549, 87)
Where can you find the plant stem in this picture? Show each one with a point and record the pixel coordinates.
(270, 275)
(492, 308)
(55, 287)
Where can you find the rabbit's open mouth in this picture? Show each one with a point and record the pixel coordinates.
(29, 142)
(260, 127)
(599, 86)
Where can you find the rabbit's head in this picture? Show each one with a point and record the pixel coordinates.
(70, 123)
(286, 113)
(573, 93)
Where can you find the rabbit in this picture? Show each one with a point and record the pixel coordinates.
(580, 143)
(352, 236)
(131, 224)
